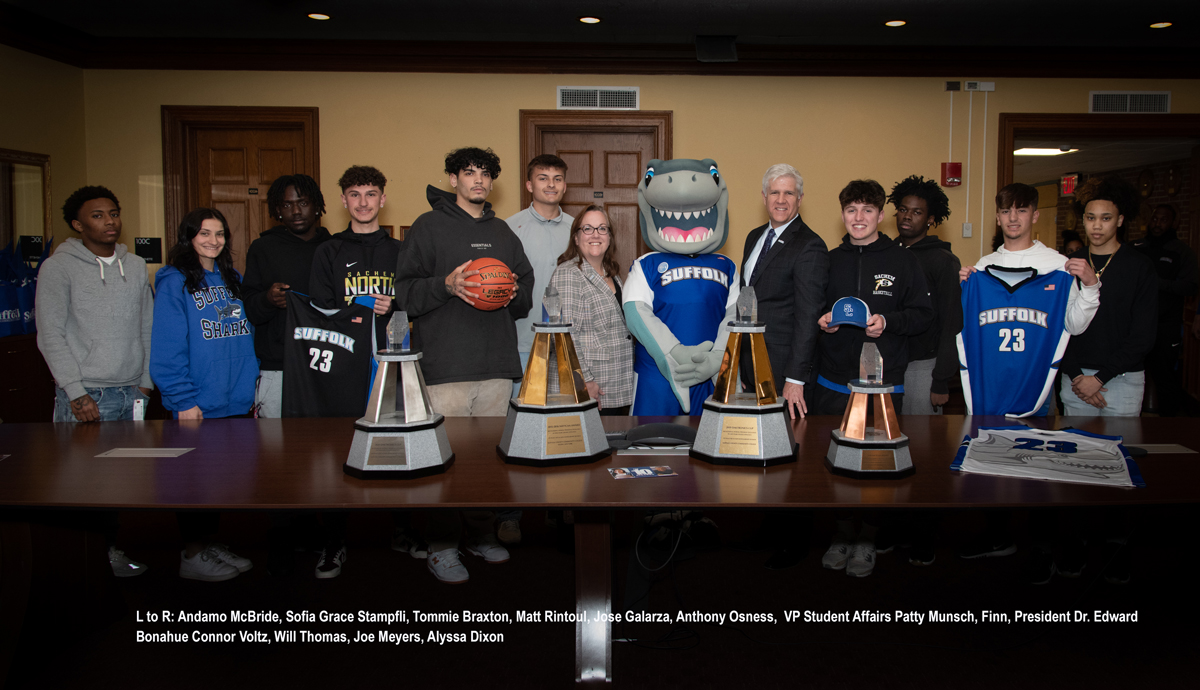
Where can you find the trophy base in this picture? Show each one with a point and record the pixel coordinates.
(744, 433)
(553, 435)
(399, 451)
(875, 457)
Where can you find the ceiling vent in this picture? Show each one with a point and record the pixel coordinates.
(599, 97)
(1129, 102)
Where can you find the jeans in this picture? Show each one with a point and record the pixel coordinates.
(115, 404)
(1123, 397)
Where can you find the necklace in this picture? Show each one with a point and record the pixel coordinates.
(1100, 272)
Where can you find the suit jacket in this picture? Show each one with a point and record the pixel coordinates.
(602, 342)
(790, 289)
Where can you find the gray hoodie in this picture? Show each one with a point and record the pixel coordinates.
(94, 320)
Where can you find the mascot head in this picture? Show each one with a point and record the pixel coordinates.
(683, 205)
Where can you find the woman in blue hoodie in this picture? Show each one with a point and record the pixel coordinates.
(202, 359)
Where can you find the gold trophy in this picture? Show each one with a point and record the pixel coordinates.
(857, 450)
(745, 428)
(544, 427)
(400, 436)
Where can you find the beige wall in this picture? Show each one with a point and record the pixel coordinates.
(832, 129)
(44, 113)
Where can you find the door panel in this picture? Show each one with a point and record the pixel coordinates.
(604, 168)
(241, 165)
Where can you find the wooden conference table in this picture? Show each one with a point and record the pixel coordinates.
(296, 464)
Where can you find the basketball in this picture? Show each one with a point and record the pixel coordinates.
(497, 284)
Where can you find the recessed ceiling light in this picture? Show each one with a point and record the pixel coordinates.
(318, 16)
(590, 20)
(1043, 152)
(1160, 25)
(895, 22)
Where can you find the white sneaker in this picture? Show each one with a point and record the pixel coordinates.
(839, 551)
(488, 548)
(124, 566)
(509, 533)
(330, 563)
(404, 543)
(446, 567)
(206, 566)
(223, 552)
(862, 559)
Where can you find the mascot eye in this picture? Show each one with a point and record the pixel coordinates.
(712, 170)
(649, 174)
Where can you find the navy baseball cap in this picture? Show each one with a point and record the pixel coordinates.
(850, 311)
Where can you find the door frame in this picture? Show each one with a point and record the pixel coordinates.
(535, 123)
(180, 193)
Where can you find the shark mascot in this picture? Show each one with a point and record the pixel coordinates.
(678, 299)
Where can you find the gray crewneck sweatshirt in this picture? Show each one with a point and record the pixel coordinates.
(94, 320)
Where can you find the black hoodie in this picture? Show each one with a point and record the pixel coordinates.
(460, 342)
(941, 339)
(351, 265)
(277, 256)
(891, 282)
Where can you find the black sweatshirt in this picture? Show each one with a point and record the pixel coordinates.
(277, 256)
(1178, 276)
(460, 342)
(351, 265)
(890, 280)
(1123, 330)
(941, 340)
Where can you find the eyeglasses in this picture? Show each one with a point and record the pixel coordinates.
(588, 230)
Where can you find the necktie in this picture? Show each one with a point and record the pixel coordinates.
(762, 256)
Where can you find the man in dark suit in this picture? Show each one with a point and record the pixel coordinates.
(787, 264)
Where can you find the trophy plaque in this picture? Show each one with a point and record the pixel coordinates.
(857, 450)
(400, 436)
(546, 428)
(749, 428)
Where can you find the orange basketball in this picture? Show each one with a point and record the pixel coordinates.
(496, 284)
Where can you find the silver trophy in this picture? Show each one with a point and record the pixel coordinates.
(400, 436)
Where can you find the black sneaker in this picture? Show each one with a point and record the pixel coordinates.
(331, 560)
(986, 547)
(1039, 568)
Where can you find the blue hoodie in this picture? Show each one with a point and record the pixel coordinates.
(202, 348)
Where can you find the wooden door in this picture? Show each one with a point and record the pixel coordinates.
(234, 170)
(606, 154)
(604, 168)
(227, 157)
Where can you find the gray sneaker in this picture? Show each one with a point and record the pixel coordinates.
(446, 567)
(838, 553)
(862, 559)
(403, 542)
(124, 566)
(509, 533)
(488, 548)
(206, 566)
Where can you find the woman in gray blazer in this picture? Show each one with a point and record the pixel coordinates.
(587, 283)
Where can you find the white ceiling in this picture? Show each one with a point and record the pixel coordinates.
(1095, 156)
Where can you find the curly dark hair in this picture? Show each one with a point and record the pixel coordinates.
(305, 187)
(484, 159)
(1119, 191)
(362, 176)
(83, 195)
(930, 191)
(863, 191)
(609, 260)
(183, 255)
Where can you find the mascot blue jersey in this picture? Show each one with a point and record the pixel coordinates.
(690, 294)
(1013, 339)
